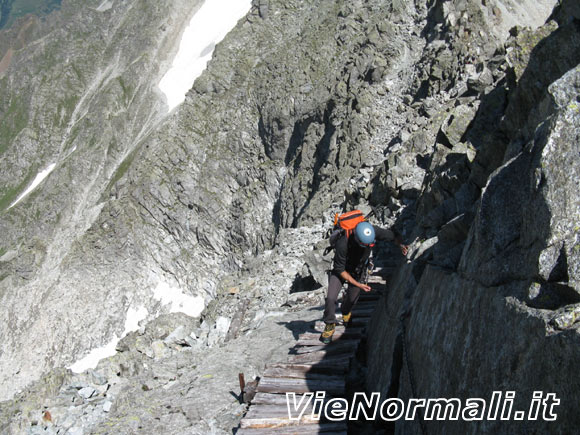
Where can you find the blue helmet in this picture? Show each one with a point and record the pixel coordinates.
(364, 234)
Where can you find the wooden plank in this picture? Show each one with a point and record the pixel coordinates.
(342, 346)
(260, 411)
(271, 399)
(319, 326)
(269, 414)
(367, 304)
(368, 301)
(334, 386)
(369, 297)
(278, 415)
(358, 312)
(277, 399)
(286, 385)
(237, 320)
(314, 337)
(335, 344)
(338, 428)
(316, 341)
(260, 418)
(326, 366)
(356, 323)
(286, 372)
(319, 356)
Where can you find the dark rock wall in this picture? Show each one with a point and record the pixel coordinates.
(489, 299)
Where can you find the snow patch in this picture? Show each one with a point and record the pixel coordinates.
(90, 361)
(105, 6)
(207, 27)
(179, 301)
(37, 180)
(134, 316)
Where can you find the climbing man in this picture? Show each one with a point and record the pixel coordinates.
(350, 260)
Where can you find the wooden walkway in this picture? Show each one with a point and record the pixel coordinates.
(311, 367)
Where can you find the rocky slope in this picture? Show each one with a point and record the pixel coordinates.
(456, 127)
(79, 94)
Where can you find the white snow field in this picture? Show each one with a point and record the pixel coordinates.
(207, 27)
(90, 361)
(37, 180)
(179, 302)
(173, 297)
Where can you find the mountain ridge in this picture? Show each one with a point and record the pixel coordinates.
(417, 116)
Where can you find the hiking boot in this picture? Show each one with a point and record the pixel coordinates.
(326, 336)
(346, 318)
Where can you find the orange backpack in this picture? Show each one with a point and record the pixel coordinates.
(348, 221)
(343, 224)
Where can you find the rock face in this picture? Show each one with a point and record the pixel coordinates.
(459, 128)
(80, 95)
(490, 302)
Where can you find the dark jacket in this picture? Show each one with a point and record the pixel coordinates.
(350, 256)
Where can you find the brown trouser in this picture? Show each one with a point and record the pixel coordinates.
(334, 286)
